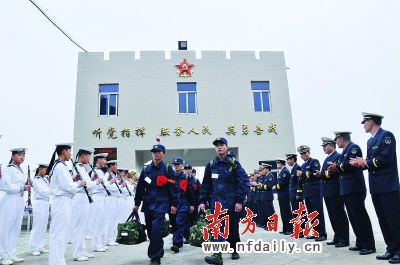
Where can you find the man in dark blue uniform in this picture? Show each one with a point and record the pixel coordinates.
(224, 182)
(312, 189)
(267, 195)
(381, 163)
(186, 201)
(295, 185)
(261, 220)
(158, 191)
(353, 190)
(330, 190)
(282, 188)
(251, 196)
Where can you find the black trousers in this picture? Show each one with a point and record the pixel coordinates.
(338, 217)
(359, 220)
(314, 203)
(286, 215)
(387, 208)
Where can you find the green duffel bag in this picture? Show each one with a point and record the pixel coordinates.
(132, 231)
(196, 231)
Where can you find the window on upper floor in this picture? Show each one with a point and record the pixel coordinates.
(108, 99)
(187, 97)
(261, 96)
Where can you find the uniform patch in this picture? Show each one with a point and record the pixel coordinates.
(388, 140)
(284, 175)
(316, 163)
(353, 150)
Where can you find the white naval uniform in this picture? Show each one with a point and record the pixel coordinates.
(111, 211)
(98, 210)
(63, 188)
(11, 209)
(80, 211)
(40, 204)
(122, 200)
(130, 202)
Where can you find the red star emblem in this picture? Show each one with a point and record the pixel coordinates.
(184, 68)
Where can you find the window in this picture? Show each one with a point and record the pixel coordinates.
(261, 96)
(108, 99)
(187, 98)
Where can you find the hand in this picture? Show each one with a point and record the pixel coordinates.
(112, 180)
(135, 208)
(123, 184)
(332, 168)
(201, 206)
(173, 209)
(298, 197)
(238, 207)
(274, 187)
(99, 180)
(83, 183)
(317, 174)
(191, 209)
(299, 173)
(358, 162)
(27, 187)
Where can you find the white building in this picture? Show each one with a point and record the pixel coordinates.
(123, 103)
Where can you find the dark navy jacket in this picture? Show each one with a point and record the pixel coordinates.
(295, 186)
(225, 183)
(156, 199)
(185, 187)
(257, 189)
(351, 178)
(283, 183)
(311, 184)
(330, 180)
(268, 182)
(382, 163)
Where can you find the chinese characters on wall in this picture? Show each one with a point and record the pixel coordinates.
(113, 133)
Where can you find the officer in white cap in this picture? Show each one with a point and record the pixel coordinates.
(12, 206)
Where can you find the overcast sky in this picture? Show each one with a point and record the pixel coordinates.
(343, 58)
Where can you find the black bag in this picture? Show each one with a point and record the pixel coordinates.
(132, 231)
(196, 231)
(166, 228)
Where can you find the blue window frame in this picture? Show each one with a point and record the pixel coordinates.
(261, 96)
(187, 98)
(108, 99)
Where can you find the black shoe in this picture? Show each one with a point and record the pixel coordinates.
(265, 228)
(287, 233)
(367, 251)
(395, 259)
(331, 243)
(235, 255)
(320, 238)
(310, 237)
(355, 248)
(386, 256)
(155, 262)
(186, 241)
(175, 248)
(281, 232)
(214, 259)
(301, 236)
(341, 245)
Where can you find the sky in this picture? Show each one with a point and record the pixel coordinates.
(343, 58)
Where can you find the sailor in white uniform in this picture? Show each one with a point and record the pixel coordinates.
(112, 203)
(12, 206)
(40, 204)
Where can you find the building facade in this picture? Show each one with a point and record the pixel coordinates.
(123, 103)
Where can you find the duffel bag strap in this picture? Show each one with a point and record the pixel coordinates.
(201, 214)
(136, 215)
(130, 218)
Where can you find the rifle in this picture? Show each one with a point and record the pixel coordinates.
(28, 182)
(96, 177)
(110, 177)
(80, 177)
(122, 180)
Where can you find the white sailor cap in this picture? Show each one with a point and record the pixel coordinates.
(112, 162)
(101, 155)
(326, 140)
(371, 116)
(341, 134)
(43, 165)
(19, 150)
(280, 160)
(85, 151)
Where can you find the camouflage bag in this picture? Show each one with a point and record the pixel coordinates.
(196, 231)
(132, 231)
